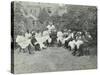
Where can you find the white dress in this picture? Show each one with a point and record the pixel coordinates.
(22, 41)
(59, 36)
(46, 36)
(40, 39)
(72, 44)
(78, 43)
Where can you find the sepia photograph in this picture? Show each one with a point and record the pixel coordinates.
(49, 37)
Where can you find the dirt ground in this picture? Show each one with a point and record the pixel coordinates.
(51, 59)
